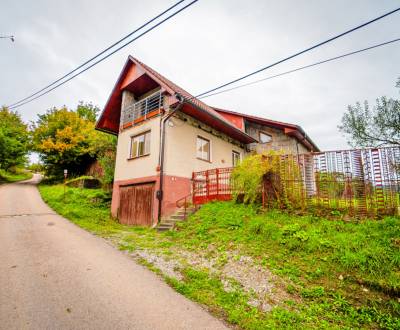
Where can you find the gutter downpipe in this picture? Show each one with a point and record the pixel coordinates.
(161, 158)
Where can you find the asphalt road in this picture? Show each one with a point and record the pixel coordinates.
(54, 275)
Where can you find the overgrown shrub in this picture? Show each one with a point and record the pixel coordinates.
(338, 185)
(275, 175)
(107, 162)
(333, 183)
(247, 178)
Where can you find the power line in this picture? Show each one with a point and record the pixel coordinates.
(303, 67)
(32, 98)
(99, 54)
(18, 104)
(299, 53)
(12, 38)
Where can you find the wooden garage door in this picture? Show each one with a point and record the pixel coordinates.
(136, 204)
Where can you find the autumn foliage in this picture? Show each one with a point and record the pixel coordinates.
(67, 139)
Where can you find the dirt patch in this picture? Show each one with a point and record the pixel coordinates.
(169, 268)
(265, 289)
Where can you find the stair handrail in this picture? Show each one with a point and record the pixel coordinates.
(185, 202)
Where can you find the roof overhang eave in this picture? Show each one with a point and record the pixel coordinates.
(104, 130)
(302, 137)
(243, 137)
(115, 88)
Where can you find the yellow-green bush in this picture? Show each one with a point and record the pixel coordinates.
(277, 174)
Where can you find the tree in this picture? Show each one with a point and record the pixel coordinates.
(379, 126)
(14, 139)
(87, 111)
(66, 139)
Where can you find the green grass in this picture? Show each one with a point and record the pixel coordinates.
(19, 175)
(338, 275)
(304, 247)
(88, 208)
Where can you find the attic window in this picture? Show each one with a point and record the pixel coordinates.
(264, 137)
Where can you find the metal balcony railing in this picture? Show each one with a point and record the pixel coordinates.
(142, 110)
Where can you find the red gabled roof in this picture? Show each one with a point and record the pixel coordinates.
(109, 119)
(289, 129)
(229, 122)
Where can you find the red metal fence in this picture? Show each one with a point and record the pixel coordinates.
(359, 182)
(211, 185)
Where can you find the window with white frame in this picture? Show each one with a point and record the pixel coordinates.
(140, 145)
(235, 158)
(203, 149)
(264, 137)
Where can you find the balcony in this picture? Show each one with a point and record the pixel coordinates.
(142, 110)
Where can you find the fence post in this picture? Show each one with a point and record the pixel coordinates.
(217, 177)
(377, 172)
(193, 188)
(207, 186)
(359, 189)
(231, 184)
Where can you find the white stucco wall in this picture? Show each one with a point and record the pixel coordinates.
(180, 149)
(126, 168)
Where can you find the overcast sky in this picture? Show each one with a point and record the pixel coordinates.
(208, 44)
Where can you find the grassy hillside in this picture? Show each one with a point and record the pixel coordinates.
(19, 175)
(263, 270)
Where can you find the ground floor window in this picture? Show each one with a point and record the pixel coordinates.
(203, 149)
(140, 145)
(235, 158)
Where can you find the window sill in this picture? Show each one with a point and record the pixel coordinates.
(204, 160)
(132, 158)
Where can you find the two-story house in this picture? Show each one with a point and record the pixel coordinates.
(165, 134)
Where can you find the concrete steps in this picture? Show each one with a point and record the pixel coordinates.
(178, 216)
